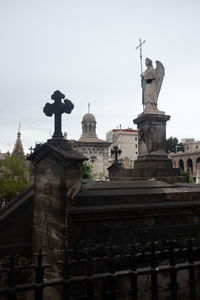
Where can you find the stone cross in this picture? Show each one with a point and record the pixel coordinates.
(116, 151)
(58, 108)
(31, 149)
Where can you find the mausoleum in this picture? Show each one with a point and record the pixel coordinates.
(95, 149)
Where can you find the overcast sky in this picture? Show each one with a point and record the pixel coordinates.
(87, 50)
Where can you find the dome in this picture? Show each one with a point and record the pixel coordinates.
(89, 126)
(88, 118)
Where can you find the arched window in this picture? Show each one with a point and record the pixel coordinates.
(189, 165)
(181, 164)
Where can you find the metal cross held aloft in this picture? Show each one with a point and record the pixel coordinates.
(116, 151)
(58, 108)
(140, 47)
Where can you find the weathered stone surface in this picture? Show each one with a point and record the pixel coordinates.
(57, 171)
(125, 212)
(147, 169)
(152, 161)
(152, 135)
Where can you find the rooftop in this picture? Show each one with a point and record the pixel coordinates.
(125, 130)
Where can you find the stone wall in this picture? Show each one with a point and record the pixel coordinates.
(97, 154)
(125, 212)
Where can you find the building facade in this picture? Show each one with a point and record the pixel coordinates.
(189, 159)
(127, 142)
(95, 149)
(190, 145)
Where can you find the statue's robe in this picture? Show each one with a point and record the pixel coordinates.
(150, 91)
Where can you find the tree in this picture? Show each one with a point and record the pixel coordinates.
(172, 145)
(14, 177)
(86, 171)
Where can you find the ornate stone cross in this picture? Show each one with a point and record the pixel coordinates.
(116, 151)
(58, 108)
(31, 149)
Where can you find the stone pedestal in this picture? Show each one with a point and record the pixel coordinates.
(152, 141)
(57, 181)
(152, 161)
(57, 171)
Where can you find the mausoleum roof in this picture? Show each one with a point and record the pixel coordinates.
(87, 118)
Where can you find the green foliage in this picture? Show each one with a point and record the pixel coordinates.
(187, 175)
(86, 171)
(191, 180)
(172, 145)
(14, 177)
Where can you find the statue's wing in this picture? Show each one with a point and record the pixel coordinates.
(160, 73)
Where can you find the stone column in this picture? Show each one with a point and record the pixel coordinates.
(57, 171)
(198, 173)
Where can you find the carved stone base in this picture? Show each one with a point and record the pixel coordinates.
(151, 135)
(153, 162)
(170, 175)
(152, 141)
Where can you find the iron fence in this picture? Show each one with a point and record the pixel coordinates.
(115, 272)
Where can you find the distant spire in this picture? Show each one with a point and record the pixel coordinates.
(88, 107)
(18, 147)
(19, 133)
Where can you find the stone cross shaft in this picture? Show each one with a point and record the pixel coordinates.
(116, 151)
(58, 108)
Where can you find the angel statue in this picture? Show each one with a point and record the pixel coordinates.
(151, 83)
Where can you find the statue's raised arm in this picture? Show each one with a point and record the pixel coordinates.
(151, 84)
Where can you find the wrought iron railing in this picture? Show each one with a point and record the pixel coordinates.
(133, 272)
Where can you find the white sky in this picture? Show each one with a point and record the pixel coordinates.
(86, 49)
